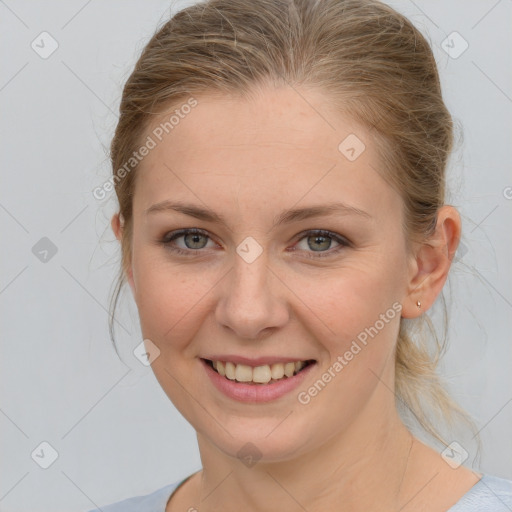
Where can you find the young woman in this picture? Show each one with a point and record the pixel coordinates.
(280, 171)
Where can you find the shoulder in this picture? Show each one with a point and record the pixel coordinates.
(153, 502)
(489, 494)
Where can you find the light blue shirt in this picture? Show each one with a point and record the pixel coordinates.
(489, 494)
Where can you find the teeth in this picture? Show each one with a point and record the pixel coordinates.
(289, 369)
(258, 374)
(261, 374)
(230, 371)
(243, 373)
(277, 371)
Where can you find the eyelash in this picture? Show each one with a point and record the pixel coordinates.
(166, 241)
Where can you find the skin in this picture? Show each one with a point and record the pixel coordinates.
(249, 160)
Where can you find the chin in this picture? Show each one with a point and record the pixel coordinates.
(260, 440)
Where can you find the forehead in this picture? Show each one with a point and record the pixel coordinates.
(279, 147)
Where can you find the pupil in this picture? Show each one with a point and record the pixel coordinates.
(195, 238)
(318, 239)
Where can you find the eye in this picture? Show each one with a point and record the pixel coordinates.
(193, 240)
(315, 243)
(319, 241)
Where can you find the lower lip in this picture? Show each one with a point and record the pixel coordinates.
(256, 392)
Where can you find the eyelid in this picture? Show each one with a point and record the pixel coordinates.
(184, 231)
(324, 232)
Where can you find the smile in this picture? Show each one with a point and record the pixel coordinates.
(258, 382)
(262, 374)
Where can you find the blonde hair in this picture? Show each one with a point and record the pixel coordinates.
(369, 60)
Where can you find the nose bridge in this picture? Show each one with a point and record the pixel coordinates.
(251, 301)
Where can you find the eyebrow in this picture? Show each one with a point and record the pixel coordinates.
(285, 217)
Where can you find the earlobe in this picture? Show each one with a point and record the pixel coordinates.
(116, 225)
(431, 263)
(410, 308)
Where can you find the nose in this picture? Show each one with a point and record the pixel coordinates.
(253, 299)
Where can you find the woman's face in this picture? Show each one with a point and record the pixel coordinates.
(260, 286)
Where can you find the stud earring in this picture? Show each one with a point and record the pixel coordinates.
(418, 303)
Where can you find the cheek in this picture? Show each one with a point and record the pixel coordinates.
(355, 315)
(344, 302)
(363, 316)
(169, 299)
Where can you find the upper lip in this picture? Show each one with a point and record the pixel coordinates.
(255, 361)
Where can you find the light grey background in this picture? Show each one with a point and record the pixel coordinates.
(115, 431)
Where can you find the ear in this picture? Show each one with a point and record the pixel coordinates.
(431, 263)
(117, 227)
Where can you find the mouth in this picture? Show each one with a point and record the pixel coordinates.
(258, 375)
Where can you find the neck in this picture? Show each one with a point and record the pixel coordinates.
(362, 468)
